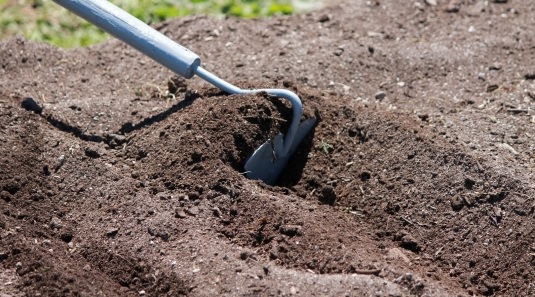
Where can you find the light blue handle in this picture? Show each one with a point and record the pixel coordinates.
(135, 33)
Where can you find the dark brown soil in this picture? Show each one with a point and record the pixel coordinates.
(417, 180)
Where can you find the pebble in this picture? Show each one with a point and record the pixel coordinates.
(453, 6)
(112, 232)
(380, 95)
(324, 18)
(193, 211)
(409, 242)
(505, 146)
(116, 140)
(245, 255)
(59, 162)
(91, 153)
(291, 230)
(179, 213)
(431, 2)
(216, 211)
(482, 76)
(395, 253)
(492, 88)
(495, 66)
(55, 223)
(530, 75)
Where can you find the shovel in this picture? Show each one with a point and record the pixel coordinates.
(268, 161)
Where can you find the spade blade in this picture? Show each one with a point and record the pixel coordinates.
(265, 164)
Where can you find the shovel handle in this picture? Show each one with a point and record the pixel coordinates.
(135, 33)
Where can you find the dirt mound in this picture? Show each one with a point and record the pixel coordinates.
(117, 178)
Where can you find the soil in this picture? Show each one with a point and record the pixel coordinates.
(118, 178)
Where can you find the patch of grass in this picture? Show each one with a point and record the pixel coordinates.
(44, 20)
(325, 147)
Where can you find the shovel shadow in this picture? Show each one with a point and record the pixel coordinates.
(189, 98)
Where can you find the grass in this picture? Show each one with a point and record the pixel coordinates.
(44, 20)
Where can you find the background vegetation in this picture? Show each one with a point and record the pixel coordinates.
(44, 20)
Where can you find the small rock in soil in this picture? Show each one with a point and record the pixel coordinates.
(338, 52)
(161, 234)
(30, 105)
(112, 232)
(453, 6)
(216, 211)
(324, 18)
(115, 140)
(291, 230)
(431, 2)
(91, 153)
(179, 213)
(59, 162)
(380, 95)
(245, 255)
(193, 211)
(410, 243)
(492, 88)
(495, 67)
(530, 75)
(163, 196)
(397, 254)
(55, 223)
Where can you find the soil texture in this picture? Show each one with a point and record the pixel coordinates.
(118, 178)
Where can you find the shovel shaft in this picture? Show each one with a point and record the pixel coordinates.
(135, 33)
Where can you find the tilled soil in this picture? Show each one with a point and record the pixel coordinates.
(119, 179)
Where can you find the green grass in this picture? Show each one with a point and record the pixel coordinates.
(44, 20)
